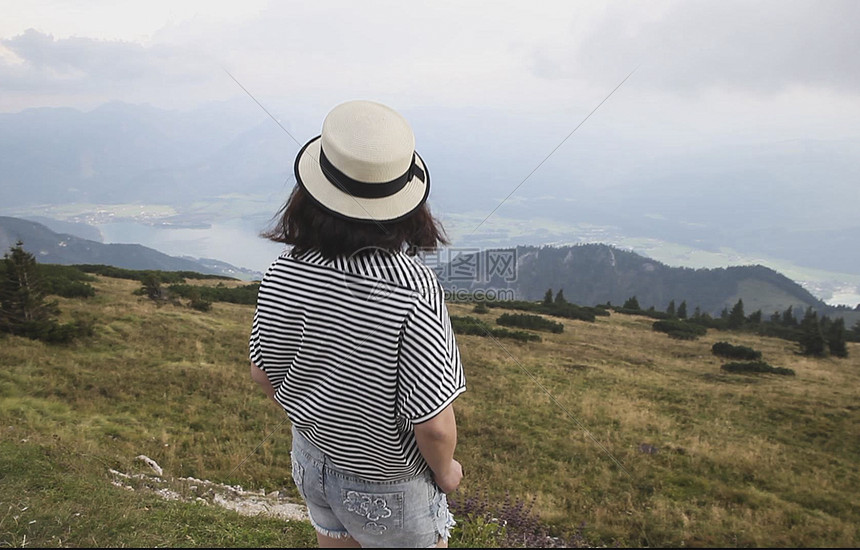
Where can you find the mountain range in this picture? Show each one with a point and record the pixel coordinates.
(591, 274)
(792, 200)
(65, 249)
(588, 274)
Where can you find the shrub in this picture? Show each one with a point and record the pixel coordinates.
(476, 327)
(755, 367)
(676, 328)
(481, 307)
(66, 281)
(199, 303)
(724, 349)
(525, 320)
(566, 309)
(141, 274)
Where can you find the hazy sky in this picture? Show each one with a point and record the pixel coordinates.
(726, 93)
(721, 66)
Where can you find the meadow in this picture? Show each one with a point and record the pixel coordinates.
(614, 431)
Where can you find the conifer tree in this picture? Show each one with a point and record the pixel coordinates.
(812, 338)
(737, 317)
(547, 298)
(682, 310)
(559, 297)
(23, 309)
(788, 317)
(671, 309)
(836, 338)
(755, 317)
(631, 303)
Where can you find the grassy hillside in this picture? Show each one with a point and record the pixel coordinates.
(641, 438)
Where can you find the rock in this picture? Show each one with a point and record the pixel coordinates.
(151, 463)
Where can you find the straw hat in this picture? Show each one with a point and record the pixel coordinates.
(364, 166)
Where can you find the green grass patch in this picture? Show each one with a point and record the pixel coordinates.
(51, 496)
(612, 430)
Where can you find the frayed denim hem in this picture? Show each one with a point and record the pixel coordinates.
(445, 533)
(328, 532)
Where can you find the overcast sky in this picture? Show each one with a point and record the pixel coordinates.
(721, 66)
(714, 85)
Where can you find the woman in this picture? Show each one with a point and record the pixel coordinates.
(352, 338)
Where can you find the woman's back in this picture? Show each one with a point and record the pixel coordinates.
(358, 348)
(352, 338)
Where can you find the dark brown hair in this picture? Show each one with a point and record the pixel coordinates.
(303, 224)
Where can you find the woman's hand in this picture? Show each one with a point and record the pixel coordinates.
(449, 480)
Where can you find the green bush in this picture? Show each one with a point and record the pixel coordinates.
(676, 328)
(66, 281)
(52, 332)
(724, 349)
(140, 274)
(756, 367)
(476, 327)
(566, 309)
(525, 320)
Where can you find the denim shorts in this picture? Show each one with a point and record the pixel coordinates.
(405, 513)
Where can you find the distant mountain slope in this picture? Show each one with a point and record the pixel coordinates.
(121, 153)
(58, 248)
(595, 274)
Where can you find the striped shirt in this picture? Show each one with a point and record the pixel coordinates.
(358, 350)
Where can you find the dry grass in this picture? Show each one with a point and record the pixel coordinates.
(740, 459)
(748, 460)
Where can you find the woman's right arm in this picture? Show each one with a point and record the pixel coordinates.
(437, 439)
(259, 376)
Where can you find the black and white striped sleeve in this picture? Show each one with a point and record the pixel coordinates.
(430, 373)
(255, 353)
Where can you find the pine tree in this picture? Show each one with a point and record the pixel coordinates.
(671, 309)
(755, 317)
(547, 298)
(631, 303)
(788, 317)
(23, 309)
(812, 338)
(836, 338)
(682, 310)
(559, 298)
(737, 317)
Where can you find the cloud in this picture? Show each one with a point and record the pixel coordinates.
(764, 47)
(37, 63)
